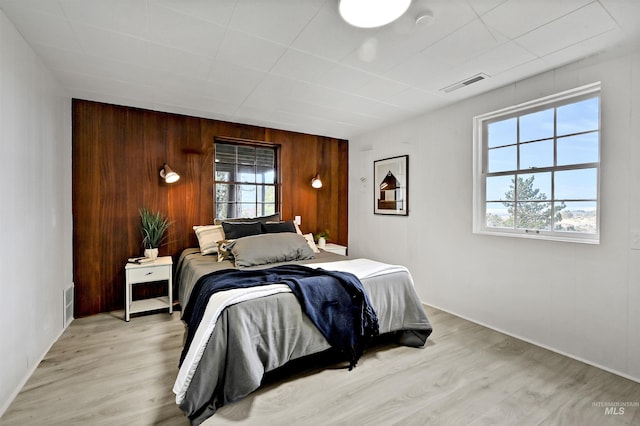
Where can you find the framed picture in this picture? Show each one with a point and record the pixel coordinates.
(391, 186)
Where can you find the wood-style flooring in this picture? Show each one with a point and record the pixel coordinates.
(104, 371)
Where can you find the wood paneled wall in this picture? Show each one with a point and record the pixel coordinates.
(117, 155)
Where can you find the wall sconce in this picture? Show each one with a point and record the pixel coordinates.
(168, 174)
(316, 182)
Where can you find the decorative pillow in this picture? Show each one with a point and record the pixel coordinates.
(224, 250)
(312, 244)
(208, 237)
(233, 230)
(275, 227)
(262, 219)
(270, 248)
(298, 231)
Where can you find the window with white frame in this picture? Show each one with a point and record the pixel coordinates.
(537, 168)
(245, 179)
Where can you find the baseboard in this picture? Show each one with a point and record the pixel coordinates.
(533, 342)
(32, 368)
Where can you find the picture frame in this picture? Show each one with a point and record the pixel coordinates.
(391, 186)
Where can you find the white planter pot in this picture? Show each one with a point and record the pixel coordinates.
(151, 253)
(322, 242)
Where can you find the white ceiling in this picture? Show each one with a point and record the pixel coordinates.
(295, 65)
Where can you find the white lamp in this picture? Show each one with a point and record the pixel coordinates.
(372, 13)
(316, 182)
(168, 174)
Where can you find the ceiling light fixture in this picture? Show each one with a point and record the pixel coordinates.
(372, 13)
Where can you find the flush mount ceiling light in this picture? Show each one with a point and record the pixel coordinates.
(372, 13)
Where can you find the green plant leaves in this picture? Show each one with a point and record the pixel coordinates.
(154, 226)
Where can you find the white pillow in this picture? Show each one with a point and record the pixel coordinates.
(208, 237)
(298, 231)
(312, 244)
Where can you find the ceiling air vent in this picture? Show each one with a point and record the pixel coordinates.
(455, 86)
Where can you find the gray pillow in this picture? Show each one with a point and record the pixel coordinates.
(275, 227)
(233, 230)
(270, 248)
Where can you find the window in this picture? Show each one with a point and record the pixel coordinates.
(245, 180)
(536, 168)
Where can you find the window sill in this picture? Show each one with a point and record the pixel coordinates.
(582, 239)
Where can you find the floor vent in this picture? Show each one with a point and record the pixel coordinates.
(68, 305)
(476, 78)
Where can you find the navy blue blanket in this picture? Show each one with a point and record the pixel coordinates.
(336, 302)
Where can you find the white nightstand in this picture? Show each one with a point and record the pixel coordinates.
(158, 270)
(335, 248)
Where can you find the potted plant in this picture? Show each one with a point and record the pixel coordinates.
(154, 226)
(322, 237)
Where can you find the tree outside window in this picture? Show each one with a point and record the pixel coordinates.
(536, 168)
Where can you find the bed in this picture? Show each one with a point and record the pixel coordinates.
(245, 333)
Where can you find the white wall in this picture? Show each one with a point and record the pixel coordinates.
(35, 209)
(578, 299)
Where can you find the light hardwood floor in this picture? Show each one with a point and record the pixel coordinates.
(104, 371)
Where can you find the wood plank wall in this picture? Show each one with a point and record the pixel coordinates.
(117, 155)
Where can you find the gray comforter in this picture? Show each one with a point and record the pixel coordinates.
(260, 335)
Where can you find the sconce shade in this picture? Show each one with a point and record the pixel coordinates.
(168, 174)
(316, 182)
(372, 13)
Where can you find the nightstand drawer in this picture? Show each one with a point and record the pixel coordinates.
(148, 273)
